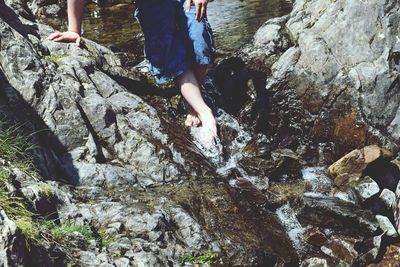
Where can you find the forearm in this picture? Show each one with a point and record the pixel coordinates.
(75, 15)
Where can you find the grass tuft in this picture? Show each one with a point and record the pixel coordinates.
(16, 148)
(207, 257)
(105, 239)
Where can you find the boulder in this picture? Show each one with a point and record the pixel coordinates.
(350, 167)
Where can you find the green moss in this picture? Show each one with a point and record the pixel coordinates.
(46, 190)
(207, 257)
(105, 239)
(60, 233)
(56, 58)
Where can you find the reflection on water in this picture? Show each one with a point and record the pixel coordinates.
(234, 21)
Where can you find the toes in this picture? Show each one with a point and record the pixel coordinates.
(196, 122)
(188, 121)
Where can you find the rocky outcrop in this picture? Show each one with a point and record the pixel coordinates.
(131, 174)
(338, 71)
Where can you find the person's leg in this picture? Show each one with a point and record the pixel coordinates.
(192, 119)
(190, 90)
(200, 72)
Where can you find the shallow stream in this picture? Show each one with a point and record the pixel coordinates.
(234, 22)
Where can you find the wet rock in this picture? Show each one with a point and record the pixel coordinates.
(391, 257)
(231, 77)
(340, 249)
(369, 249)
(350, 168)
(366, 188)
(270, 40)
(315, 262)
(332, 94)
(386, 225)
(388, 198)
(284, 164)
(385, 173)
(315, 237)
(333, 213)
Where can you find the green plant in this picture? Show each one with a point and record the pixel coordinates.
(16, 148)
(46, 190)
(207, 257)
(105, 239)
(56, 58)
(14, 145)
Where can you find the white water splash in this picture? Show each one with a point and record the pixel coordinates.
(288, 219)
(215, 152)
(316, 177)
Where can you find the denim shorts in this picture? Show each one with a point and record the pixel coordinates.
(174, 39)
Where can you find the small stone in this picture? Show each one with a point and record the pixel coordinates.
(103, 257)
(340, 249)
(315, 262)
(89, 258)
(388, 197)
(106, 264)
(366, 188)
(117, 226)
(386, 226)
(129, 254)
(121, 262)
(315, 237)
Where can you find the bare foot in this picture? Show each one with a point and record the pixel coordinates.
(209, 123)
(192, 119)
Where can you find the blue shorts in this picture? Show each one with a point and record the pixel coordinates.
(174, 39)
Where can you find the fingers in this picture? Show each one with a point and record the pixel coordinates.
(198, 11)
(203, 10)
(78, 41)
(188, 3)
(53, 35)
(59, 38)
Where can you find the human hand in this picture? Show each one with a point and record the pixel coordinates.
(201, 7)
(68, 36)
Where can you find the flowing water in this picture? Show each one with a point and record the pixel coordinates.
(234, 22)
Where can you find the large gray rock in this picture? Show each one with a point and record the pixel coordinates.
(338, 71)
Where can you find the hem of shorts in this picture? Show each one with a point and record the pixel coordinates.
(163, 79)
(203, 60)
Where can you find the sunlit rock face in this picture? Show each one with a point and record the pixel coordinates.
(340, 68)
